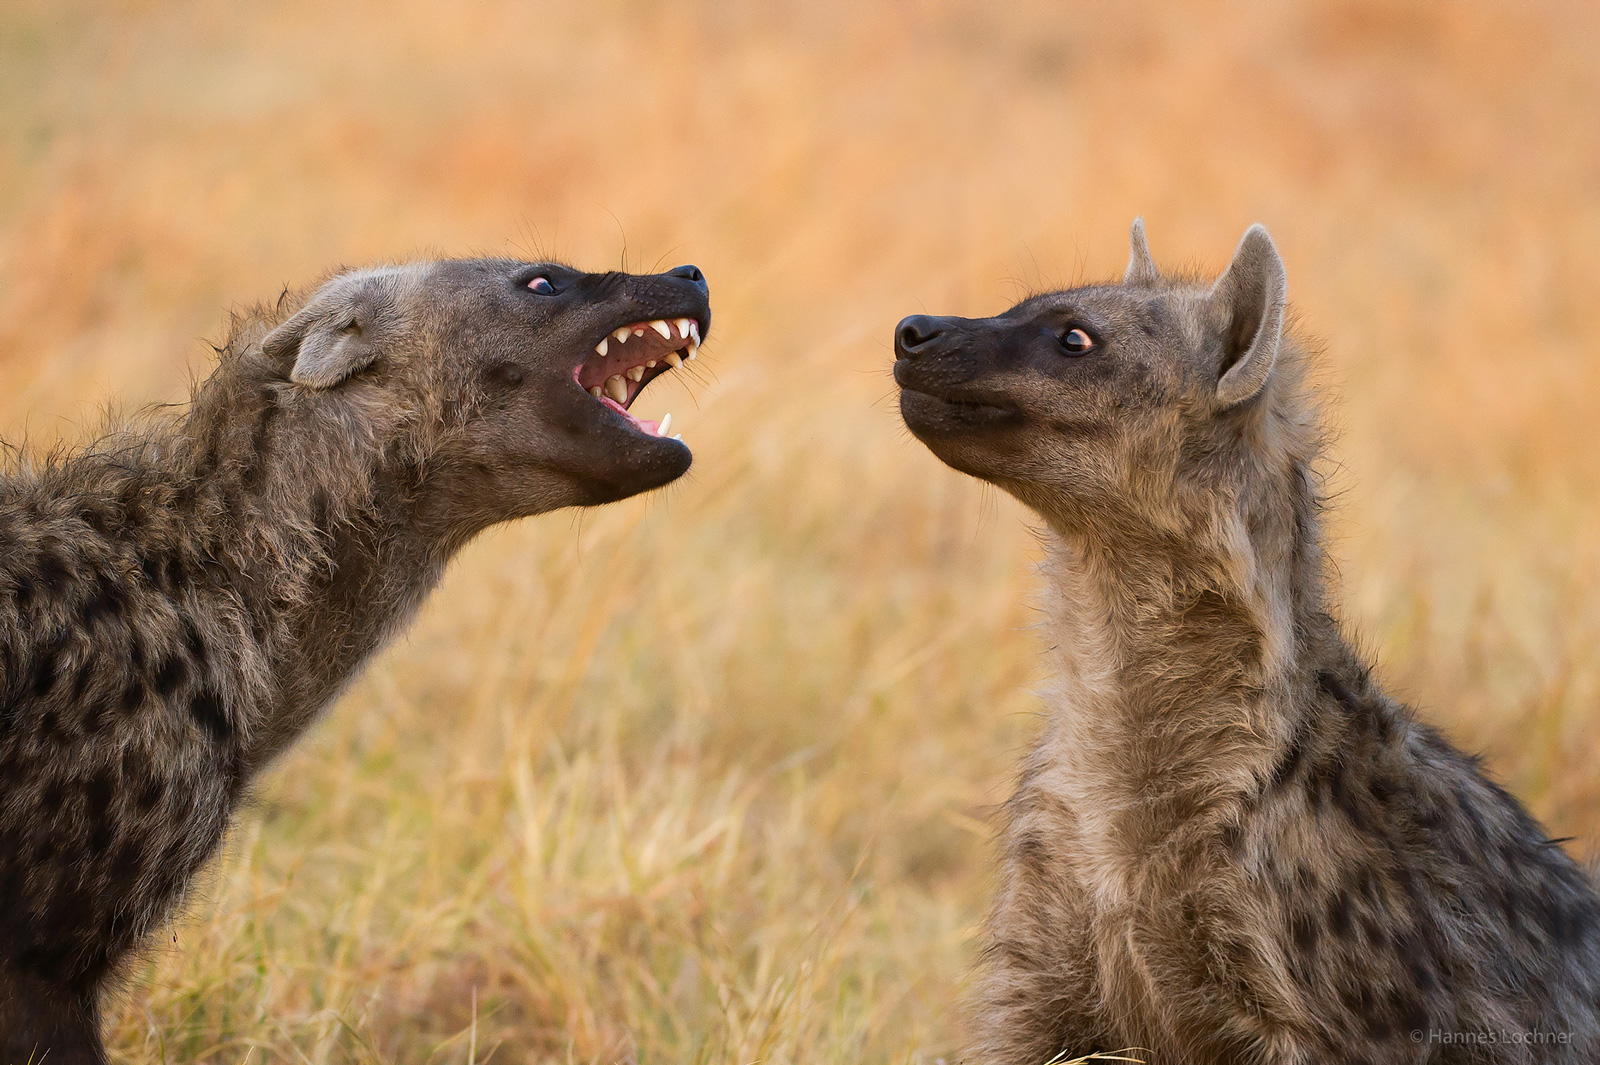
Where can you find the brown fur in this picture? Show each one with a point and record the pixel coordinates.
(1229, 845)
(180, 600)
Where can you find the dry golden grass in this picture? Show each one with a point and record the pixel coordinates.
(702, 777)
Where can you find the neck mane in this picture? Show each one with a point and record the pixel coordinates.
(300, 518)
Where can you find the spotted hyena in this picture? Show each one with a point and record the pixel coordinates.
(1229, 845)
(178, 602)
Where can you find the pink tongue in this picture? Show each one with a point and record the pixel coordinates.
(653, 428)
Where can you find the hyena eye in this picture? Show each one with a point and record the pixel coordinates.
(1077, 341)
(542, 286)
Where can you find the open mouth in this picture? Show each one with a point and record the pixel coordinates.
(632, 356)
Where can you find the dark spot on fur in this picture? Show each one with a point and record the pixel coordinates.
(132, 697)
(105, 602)
(102, 836)
(175, 575)
(98, 793)
(152, 790)
(96, 716)
(208, 710)
(1339, 915)
(81, 679)
(1032, 852)
(128, 858)
(1305, 932)
(170, 676)
(321, 509)
(54, 574)
(193, 642)
(1290, 761)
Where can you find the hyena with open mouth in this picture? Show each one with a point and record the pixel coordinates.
(179, 602)
(1229, 845)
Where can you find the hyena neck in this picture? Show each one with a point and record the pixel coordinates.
(314, 510)
(1177, 655)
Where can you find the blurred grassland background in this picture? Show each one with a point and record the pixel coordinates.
(704, 776)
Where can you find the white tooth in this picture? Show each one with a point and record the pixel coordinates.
(635, 372)
(666, 423)
(638, 330)
(678, 437)
(621, 335)
(683, 327)
(595, 391)
(651, 365)
(617, 388)
(600, 348)
(671, 359)
(693, 349)
(694, 331)
(663, 328)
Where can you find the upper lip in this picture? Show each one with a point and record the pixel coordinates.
(628, 357)
(909, 380)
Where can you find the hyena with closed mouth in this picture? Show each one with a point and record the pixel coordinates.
(1229, 845)
(178, 603)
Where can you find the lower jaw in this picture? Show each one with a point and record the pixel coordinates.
(924, 412)
(644, 425)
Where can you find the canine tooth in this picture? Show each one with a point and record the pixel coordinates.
(678, 437)
(666, 423)
(672, 360)
(663, 328)
(595, 392)
(600, 348)
(617, 388)
(634, 373)
(683, 327)
(621, 335)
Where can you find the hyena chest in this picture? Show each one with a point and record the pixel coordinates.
(1133, 945)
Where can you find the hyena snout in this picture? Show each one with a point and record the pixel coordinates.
(946, 357)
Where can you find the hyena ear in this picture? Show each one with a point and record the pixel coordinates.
(1246, 308)
(335, 336)
(1141, 267)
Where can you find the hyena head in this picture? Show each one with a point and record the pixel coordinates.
(1108, 404)
(503, 386)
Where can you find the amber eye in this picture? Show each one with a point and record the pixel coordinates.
(1077, 341)
(542, 286)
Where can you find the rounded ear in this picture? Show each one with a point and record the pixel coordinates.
(335, 335)
(1246, 307)
(1141, 267)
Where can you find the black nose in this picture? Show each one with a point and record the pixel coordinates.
(690, 273)
(914, 335)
